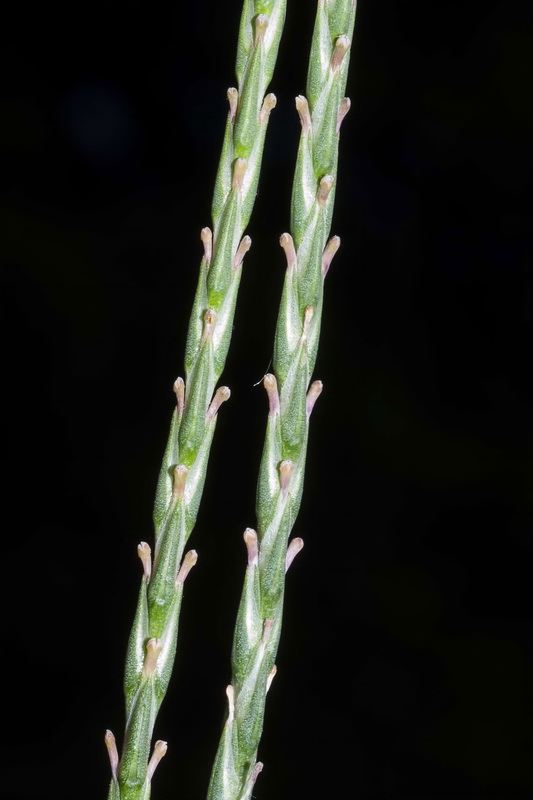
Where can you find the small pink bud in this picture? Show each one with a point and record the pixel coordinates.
(308, 316)
(242, 249)
(324, 188)
(160, 750)
(271, 385)
(153, 648)
(250, 538)
(313, 393)
(268, 104)
(240, 166)
(286, 469)
(302, 107)
(210, 319)
(189, 560)
(287, 242)
(295, 545)
(257, 769)
(271, 677)
(180, 478)
(343, 110)
(206, 235)
(144, 553)
(221, 395)
(233, 99)
(112, 752)
(179, 391)
(329, 251)
(267, 628)
(261, 24)
(342, 44)
(230, 694)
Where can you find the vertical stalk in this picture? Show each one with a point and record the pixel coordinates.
(291, 399)
(152, 643)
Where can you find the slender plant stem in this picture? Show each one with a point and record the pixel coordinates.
(291, 400)
(152, 644)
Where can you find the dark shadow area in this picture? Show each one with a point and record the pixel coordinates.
(405, 670)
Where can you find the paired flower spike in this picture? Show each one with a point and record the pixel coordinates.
(152, 643)
(291, 399)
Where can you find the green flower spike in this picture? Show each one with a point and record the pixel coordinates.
(152, 643)
(291, 399)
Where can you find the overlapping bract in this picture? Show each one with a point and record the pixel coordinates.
(291, 400)
(152, 643)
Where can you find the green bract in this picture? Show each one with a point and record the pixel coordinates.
(291, 400)
(152, 643)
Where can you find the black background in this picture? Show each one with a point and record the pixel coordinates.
(405, 668)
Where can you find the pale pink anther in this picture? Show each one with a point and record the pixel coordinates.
(112, 752)
(286, 468)
(221, 395)
(189, 560)
(267, 627)
(329, 251)
(261, 24)
(343, 110)
(250, 539)
(233, 99)
(271, 677)
(160, 749)
(179, 391)
(242, 249)
(287, 242)
(257, 769)
(230, 694)
(342, 45)
(153, 648)
(295, 545)
(324, 188)
(206, 235)
(271, 385)
(240, 166)
(268, 104)
(145, 554)
(180, 478)
(308, 316)
(210, 318)
(313, 393)
(302, 107)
